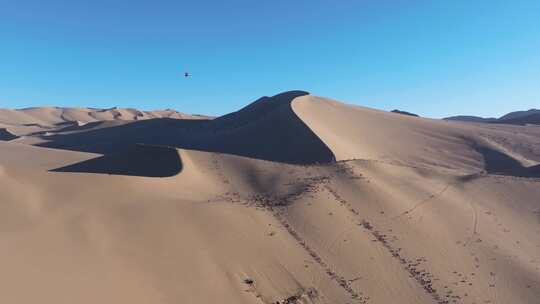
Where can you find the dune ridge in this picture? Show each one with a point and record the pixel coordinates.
(293, 199)
(311, 130)
(266, 129)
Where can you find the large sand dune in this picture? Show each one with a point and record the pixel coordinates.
(266, 129)
(293, 199)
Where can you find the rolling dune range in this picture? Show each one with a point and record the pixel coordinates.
(292, 199)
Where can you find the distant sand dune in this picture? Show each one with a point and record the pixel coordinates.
(51, 116)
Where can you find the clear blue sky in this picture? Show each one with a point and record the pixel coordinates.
(435, 58)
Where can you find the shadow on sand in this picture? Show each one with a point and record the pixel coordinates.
(496, 162)
(5, 135)
(138, 160)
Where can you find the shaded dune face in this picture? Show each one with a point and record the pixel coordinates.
(5, 135)
(138, 160)
(267, 129)
(496, 162)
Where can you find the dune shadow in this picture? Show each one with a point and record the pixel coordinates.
(73, 126)
(5, 135)
(496, 162)
(266, 129)
(138, 160)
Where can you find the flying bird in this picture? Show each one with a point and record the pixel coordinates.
(187, 74)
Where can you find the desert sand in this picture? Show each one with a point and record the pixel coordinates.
(293, 199)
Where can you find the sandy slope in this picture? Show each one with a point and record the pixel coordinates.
(354, 132)
(413, 217)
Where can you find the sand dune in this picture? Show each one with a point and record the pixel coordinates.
(254, 131)
(292, 199)
(353, 132)
(50, 118)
